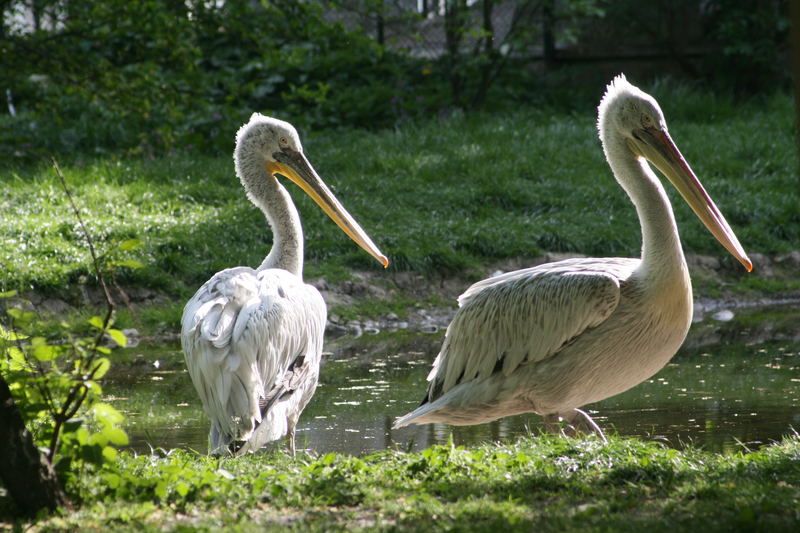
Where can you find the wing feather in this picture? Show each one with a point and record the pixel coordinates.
(240, 333)
(524, 316)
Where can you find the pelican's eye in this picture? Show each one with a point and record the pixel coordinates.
(284, 141)
(647, 121)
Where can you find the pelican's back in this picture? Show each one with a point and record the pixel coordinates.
(242, 333)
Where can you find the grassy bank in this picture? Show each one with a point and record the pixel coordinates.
(541, 484)
(440, 197)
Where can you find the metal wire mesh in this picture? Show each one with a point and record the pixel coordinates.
(418, 26)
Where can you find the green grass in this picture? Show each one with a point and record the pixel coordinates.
(442, 196)
(543, 484)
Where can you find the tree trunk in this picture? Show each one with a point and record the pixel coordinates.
(26, 474)
(794, 25)
(454, 31)
(489, 59)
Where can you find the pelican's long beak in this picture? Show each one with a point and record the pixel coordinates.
(294, 165)
(657, 147)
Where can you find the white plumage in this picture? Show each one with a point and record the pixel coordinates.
(244, 328)
(552, 338)
(252, 338)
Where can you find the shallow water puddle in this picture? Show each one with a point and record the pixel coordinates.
(735, 383)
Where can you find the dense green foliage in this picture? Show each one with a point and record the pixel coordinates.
(542, 484)
(154, 76)
(751, 37)
(151, 77)
(441, 196)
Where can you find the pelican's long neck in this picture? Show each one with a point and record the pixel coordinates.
(273, 199)
(662, 254)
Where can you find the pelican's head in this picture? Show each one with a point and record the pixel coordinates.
(629, 114)
(275, 144)
(625, 109)
(267, 137)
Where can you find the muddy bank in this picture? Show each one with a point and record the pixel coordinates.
(367, 285)
(390, 286)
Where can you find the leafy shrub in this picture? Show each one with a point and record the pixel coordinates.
(55, 386)
(152, 76)
(750, 37)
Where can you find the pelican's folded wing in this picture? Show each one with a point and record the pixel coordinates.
(523, 316)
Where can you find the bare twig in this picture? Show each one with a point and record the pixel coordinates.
(78, 392)
(95, 261)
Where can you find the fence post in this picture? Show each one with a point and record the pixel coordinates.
(379, 23)
(548, 41)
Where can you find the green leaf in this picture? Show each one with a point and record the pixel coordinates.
(107, 414)
(182, 489)
(96, 322)
(161, 489)
(109, 454)
(118, 337)
(82, 436)
(45, 352)
(103, 350)
(20, 317)
(11, 335)
(98, 439)
(115, 436)
(130, 263)
(8, 294)
(131, 244)
(112, 480)
(17, 356)
(101, 366)
(94, 387)
(38, 341)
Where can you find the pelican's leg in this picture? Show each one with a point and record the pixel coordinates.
(290, 439)
(569, 424)
(583, 424)
(595, 427)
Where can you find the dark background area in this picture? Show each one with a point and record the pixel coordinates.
(144, 77)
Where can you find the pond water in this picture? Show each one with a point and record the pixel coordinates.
(734, 385)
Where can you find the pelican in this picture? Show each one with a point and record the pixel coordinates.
(555, 337)
(252, 338)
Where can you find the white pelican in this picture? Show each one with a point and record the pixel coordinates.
(552, 338)
(252, 338)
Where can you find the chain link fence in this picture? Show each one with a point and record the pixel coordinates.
(549, 30)
(419, 27)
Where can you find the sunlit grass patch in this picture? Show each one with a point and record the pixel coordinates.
(441, 196)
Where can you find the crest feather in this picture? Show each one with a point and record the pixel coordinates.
(617, 86)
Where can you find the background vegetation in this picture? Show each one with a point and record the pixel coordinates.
(150, 77)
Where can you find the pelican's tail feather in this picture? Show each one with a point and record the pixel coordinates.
(414, 417)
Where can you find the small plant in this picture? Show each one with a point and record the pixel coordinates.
(51, 386)
(54, 380)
